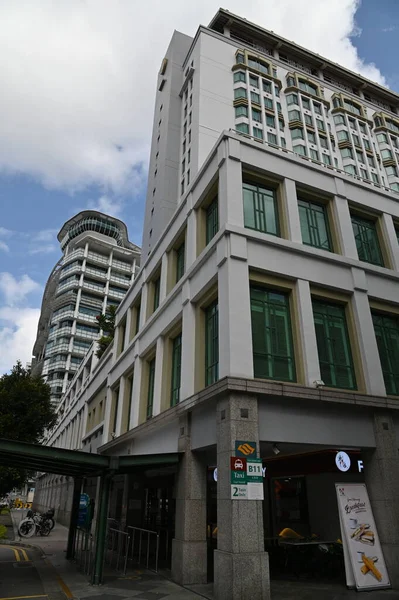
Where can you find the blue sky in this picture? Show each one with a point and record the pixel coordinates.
(77, 96)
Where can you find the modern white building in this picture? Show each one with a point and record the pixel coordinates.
(266, 309)
(95, 271)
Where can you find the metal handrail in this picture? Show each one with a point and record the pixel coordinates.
(149, 532)
(119, 540)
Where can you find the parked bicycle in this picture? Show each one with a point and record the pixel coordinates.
(35, 523)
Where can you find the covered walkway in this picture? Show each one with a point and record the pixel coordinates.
(77, 464)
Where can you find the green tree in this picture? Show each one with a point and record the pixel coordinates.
(25, 413)
(106, 322)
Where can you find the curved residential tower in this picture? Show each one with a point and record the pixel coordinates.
(95, 271)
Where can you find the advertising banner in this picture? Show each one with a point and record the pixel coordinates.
(360, 538)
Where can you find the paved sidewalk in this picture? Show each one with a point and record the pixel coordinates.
(138, 583)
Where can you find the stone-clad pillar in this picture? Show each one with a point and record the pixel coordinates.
(241, 563)
(189, 548)
(381, 470)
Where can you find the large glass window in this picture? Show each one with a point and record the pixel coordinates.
(367, 244)
(343, 136)
(211, 344)
(294, 115)
(242, 127)
(292, 99)
(176, 371)
(212, 219)
(240, 93)
(241, 111)
(239, 76)
(297, 134)
(151, 384)
(387, 334)
(314, 225)
(273, 351)
(335, 356)
(260, 210)
(256, 115)
(306, 86)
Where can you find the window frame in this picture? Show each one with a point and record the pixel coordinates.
(176, 370)
(364, 223)
(255, 188)
(312, 208)
(211, 343)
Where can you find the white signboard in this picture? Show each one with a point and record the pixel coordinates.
(361, 537)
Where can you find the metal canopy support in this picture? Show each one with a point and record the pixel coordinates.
(77, 486)
(101, 529)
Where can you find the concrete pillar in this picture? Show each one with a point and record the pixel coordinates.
(189, 547)
(188, 354)
(291, 210)
(230, 184)
(107, 417)
(381, 470)
(164, 278)
(119, 407)
(191, 239)
(391, 240)
(369, 356)
(241, 564)
(344, 228)
(235, 337)
(310, 357)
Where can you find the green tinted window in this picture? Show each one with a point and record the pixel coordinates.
(176, 371)
(335, 357)
(157, 286)
(151, 383)
(212, 219)
(387, 334)
(271, 335)
(260, 210)
(314, 225)
(367, 244)
(211, 344)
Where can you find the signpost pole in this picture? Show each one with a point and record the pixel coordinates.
(77, 486)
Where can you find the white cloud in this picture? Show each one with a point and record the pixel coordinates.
(15, 291)
(18, 323)
(107, 205)
(3, 246)
(78, 78)
(46, 249)
(45, 235)
(17, 335)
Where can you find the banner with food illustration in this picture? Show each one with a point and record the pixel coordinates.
(362, 543)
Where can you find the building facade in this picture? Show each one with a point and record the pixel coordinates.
(266, 310)
(95, 272)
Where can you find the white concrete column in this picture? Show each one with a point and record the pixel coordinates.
(128, 327)
(188, 351)
(344, 227)
(135, 409)
(308, 342)
(164, 278)
(235, 334)
(230, 184)
(291, 209)
(191, 238)
(107, 417)
(371, 365)
(159, 356)
(391, 239)
(143, 308)
(119, 406)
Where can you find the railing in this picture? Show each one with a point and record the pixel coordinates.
(116, 294)
(84, 550)
(90, 286)
(117, 279)
(62, 315)
(58, 348)
(86, 317)
(79, 350)
(70, 269)
(58, 364)
(117, 549)
(87, 334)
(97, 257)
(117, 264)
(146, 543)
(75, 254)
(96, 273)
(65, 286)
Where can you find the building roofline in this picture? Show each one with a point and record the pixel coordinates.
(223, 16)
(95, 213)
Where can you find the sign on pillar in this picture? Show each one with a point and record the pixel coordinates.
(246, 473)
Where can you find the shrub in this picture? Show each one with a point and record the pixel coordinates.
(3, 531)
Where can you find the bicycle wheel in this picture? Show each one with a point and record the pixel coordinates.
(44, 529)
(27, 528)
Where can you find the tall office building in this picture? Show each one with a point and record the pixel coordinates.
(265, 313)
(95, 271)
